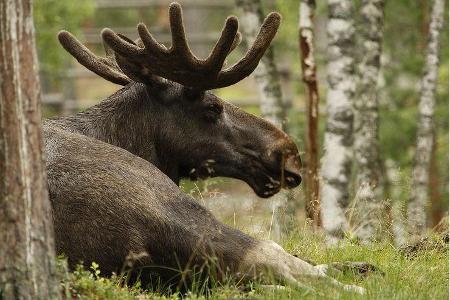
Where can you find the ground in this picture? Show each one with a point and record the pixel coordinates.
(423, 276)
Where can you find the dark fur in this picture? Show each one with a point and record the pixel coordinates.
(108, 203)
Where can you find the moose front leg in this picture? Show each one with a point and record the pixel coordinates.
(268, 258)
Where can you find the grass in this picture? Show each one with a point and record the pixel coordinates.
(423, 277)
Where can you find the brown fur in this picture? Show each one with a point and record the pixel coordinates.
(108, 203)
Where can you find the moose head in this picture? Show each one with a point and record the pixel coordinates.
(168, 115)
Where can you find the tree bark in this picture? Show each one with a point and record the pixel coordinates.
(27, 259)
(271, 104)
(369, 205)
(307, 53)
(420, 176)
(337, 159)
(435, 184)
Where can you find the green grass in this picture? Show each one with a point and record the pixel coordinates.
(422, 277)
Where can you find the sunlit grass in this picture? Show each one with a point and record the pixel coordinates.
(422, 277)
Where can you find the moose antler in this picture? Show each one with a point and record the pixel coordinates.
(146, 58)
(105, 67)
(180, 65)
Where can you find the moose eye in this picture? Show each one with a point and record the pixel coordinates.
(213, 111)
(215, 108)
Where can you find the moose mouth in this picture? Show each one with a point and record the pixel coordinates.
(268, 184)
(265, 180)
(268, 177)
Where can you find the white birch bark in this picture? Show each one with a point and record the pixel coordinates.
(369, 206)
(420, 176)
(336, 161)
(269, 87)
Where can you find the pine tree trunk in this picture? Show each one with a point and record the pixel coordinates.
(337, 159)
(27, 258)
(271, 101)
(420, 177)
(369, 206)
(306, 43)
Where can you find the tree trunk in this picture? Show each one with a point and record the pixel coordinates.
(369, 206)
(420, 176)
(306, 43)
(435, 184)
(268, 81)
(27, 258)
(337, 159)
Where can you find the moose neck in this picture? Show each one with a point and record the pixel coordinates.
(127, 119)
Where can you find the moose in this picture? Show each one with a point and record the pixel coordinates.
(113, 170)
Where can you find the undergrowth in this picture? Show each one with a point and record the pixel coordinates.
(424, 276)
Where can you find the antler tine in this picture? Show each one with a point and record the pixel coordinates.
(179, 41)
(249, 62)
(236, 42)
(228, 40)
(103, 67)
(149, 41)
(125, 48)
(108, 51)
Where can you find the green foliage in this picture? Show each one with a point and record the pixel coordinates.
(405, 40)
(85, 284)
(51, 16)
(122, 17)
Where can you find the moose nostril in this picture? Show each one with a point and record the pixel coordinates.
(292, 163)
(292, 166)
(292, 180)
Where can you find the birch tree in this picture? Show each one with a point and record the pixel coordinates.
(27, 259)
(269, 87)
(337, 159)
(368, 204)
(306, 44)
(420, 176)
(437, 212)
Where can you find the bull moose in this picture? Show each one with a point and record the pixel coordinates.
(113, 170)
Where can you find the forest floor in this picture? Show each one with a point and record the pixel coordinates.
(424, 275)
